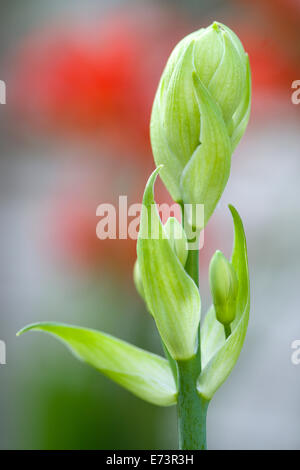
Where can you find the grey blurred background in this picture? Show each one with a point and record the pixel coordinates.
(80, 77)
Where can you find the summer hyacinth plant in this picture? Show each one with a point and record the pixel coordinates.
(200, 113)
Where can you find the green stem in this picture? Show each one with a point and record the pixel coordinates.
(192, 265)
(192, 408)
(192, 268)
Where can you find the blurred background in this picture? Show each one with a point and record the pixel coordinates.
(81, 77)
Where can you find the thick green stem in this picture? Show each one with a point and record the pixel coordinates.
(192, 408)
(192, 268)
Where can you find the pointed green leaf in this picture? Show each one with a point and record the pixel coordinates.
(172, 164)
(171, 294)
(181, 115)
(212, 336)
(241, 117)
(178, 241)
(228, 92)
(208, 53)
(138, 279)
(219, 356)
(234, 38)
(205, 176)
(145, 374)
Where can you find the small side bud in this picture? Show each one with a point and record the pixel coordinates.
(177, 239)
(224, 287)
(138, 279)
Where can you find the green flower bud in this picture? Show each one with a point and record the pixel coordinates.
(177, 239)
(224, 288)
(218, 357)
(200, 112)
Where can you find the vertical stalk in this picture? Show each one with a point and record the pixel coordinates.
(192, 408)
(192, 268)
(192, 265)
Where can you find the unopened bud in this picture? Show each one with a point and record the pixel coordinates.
(200, 113)
(224, 288)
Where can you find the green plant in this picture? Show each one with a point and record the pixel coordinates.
(200, 112)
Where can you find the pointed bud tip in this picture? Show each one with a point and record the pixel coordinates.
(215, 26)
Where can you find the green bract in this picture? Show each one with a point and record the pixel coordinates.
(224, 287)
(178, 241)
(171, 295)
(200, 112)
(138, 279)
(145, 374)
(219, 356)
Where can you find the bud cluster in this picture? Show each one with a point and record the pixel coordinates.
(200, 112)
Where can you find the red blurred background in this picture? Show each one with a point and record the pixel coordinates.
(94, 85)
